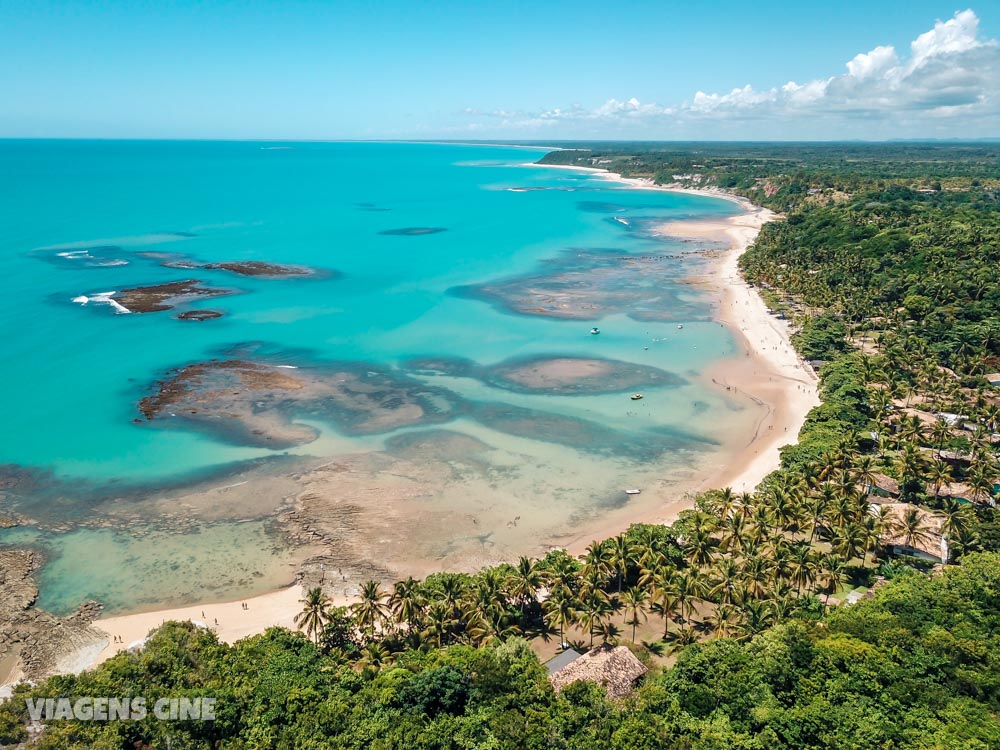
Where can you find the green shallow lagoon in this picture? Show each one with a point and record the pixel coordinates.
(82, 218)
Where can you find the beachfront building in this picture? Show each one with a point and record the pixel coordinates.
(930, 544)
(882, 486)
(614, 668)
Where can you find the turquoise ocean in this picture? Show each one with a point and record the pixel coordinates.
(82, 217)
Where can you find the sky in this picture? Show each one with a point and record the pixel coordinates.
(510, 70)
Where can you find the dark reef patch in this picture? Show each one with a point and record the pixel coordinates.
(261, 269)
(253, 403)
(601, 207)
(591, 283)
(567, 376)
(581, 434)
(454, 367)
(159, 297)
(413, 231)
(437, 445)
(200, 315)
(252, 268)
(551, 375)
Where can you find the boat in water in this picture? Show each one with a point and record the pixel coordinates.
(594, 331)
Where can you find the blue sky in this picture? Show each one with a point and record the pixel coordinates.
(491, 70)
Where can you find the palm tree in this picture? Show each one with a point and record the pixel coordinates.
(489, 598)
(848, 540)
(608, 632)
(722, 620)
(757, 572)
(664, 597)
(940, 432)
(939, 475)
(560, 611)
(956, 519)
(406, 602)
(314, 613)
(815, 511)
(634, 600)
(597, 561)
(864, 471)
(802, 566)
(620, 556)
(831, 573)
(452, 591)
(438, 623)
(981, 481)
(724, 578)
(523, 582)
(913, 528)
(370, 609)
(734, 534)
(688, 588)
(374, 656)
(724, 501)
(593, 611)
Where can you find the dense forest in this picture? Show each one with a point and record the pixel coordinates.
(807, 614)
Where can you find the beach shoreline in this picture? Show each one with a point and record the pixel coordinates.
(768, 377)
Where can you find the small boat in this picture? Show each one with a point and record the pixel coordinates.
(594, 331)
(635, 396)
(632, 492)
(679, 326)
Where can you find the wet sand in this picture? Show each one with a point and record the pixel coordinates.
(769, 379)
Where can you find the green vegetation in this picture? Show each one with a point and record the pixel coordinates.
(887, 261)
(918, 666)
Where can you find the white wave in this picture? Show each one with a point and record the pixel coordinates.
(103, 298)
(287, 367)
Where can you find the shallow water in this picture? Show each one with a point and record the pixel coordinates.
(82, 218)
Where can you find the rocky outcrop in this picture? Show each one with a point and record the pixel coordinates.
(37, 640)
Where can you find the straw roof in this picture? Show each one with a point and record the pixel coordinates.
(559, 661)
(886, 484)
(613, 668)
(957, 490)
(930, 523)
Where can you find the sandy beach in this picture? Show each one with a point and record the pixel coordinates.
(769, 376)
(229, 620)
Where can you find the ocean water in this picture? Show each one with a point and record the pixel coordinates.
(82, 218)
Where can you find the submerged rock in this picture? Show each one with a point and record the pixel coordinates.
(566, 376)
(261, 268)
(552, 375)
(590, 284)
(414, 231)
(253, 403)
(159, 297)
(33, 641)
(199, 315)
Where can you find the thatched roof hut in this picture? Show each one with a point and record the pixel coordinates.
(958, 491)
(614, 668)
(883, 485)
(933, 546)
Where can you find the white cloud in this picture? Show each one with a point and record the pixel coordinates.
(950, 75)
(873, 63)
